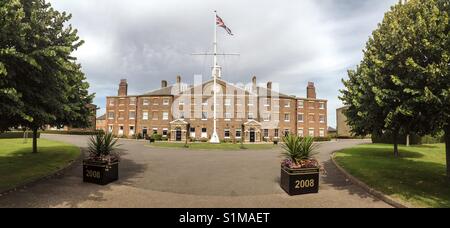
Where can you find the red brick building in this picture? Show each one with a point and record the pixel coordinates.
(254, 113)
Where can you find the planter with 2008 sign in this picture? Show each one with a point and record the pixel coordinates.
(299, 171)
(102, 166)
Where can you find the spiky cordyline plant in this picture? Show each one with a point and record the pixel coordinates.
(101, 147)
(298, 149)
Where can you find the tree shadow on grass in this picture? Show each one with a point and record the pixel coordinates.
(381, 153)
(67, 189)
(418, 182)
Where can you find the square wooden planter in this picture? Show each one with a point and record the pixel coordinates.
(100, 173)
(299, 181)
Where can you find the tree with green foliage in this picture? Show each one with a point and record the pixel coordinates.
(396, 83)
(40, 81)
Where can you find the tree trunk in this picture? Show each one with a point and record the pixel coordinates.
(395, 135)
(447, 149)
(407, 140)
(35, 132)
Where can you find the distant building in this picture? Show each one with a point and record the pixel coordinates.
(101, 123)
(163, 112)
(342, 128)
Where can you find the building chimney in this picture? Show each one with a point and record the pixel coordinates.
(311, 91)
(178, 79)
(269, 85)
(163, 84)
(123, 88)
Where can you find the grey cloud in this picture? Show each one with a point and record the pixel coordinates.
(288, 42)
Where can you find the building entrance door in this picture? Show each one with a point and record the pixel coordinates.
(252, 136)
(178, 135)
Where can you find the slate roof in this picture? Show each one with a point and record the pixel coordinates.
(102, 117)
(167, 91)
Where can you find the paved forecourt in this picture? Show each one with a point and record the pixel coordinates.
(159, 177)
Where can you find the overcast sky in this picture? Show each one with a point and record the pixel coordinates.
(287, 42)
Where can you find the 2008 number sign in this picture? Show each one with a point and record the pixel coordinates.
(304, 184)
(93, 174)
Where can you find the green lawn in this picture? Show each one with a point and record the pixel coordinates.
(417, 177)
(18, 165)
(208, 146)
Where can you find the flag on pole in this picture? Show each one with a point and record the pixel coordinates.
(220, 23)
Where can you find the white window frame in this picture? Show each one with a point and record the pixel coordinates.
(113, 115)
(228, 102)
(301, 132)
(264, 133)
(321, 132)
(204, 134)
(266, 102)
(112, 102)
(204, 115)
(129, 114)
(322, 105)
(320, 118)
(166, 101)
(130, 131)
(133, 99)
(227, 116)
(240, 133)
(313, 132)
(301, 104)
(165, 116)
(287, 103)
(288, 115)
(302, 120)
(252, 116)
(192, 133)
(224, 133)
(145, 102)
(145, 115)
(166, 130)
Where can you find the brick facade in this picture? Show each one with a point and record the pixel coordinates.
(249, 113)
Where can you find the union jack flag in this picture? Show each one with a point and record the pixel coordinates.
(220, 23)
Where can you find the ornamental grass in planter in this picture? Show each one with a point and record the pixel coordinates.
(299, 171)
(102, 166)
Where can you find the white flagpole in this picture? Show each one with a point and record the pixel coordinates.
(215, 137)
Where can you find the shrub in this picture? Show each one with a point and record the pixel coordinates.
(203, 140)
(227, 141)
(429, 139)
(73, 132)
(322, 139)
(157, 137)
(101, 148)
(16, 135)
(297, 149)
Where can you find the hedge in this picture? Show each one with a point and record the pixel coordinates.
(413, 139)
(72, 132)
(16, 135)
